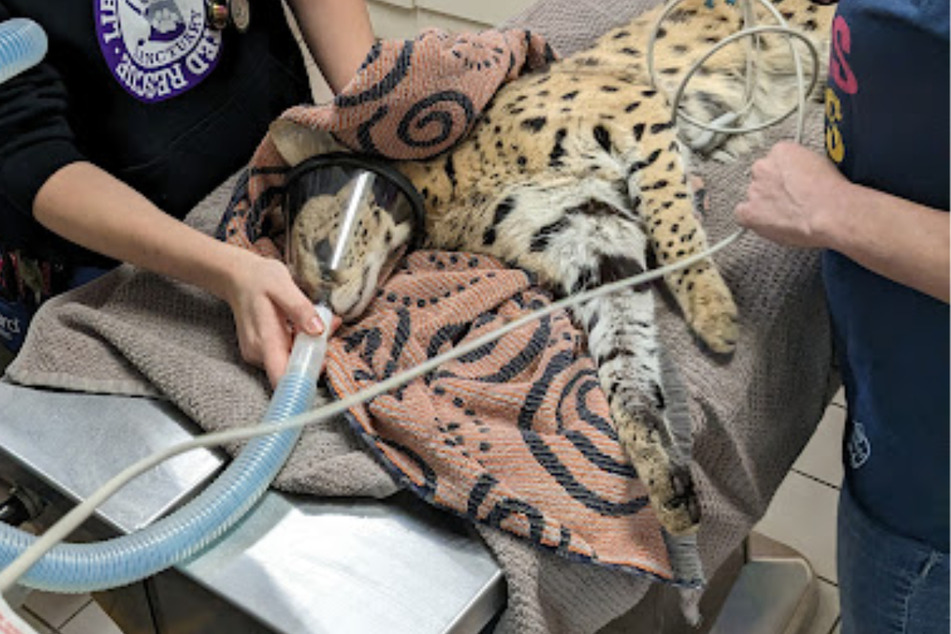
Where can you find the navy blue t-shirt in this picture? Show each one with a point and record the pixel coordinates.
(887, 115)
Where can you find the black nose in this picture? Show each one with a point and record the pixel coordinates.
(324, 252)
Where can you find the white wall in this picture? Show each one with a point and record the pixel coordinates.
(406, 18)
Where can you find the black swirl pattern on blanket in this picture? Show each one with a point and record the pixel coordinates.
(517, 436)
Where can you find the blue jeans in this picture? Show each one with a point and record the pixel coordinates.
(888, 583)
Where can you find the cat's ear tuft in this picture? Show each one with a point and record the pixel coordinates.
(296, 142)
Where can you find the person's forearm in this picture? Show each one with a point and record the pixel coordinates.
(338, 34)
(86, 205)
(898, 239)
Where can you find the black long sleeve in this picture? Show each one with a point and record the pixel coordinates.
(143, 90)
(35, 141)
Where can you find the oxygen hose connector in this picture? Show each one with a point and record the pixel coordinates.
(23, 44)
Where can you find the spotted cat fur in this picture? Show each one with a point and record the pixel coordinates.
(574, 174)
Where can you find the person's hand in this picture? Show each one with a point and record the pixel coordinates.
(267, 306)
(791, 193)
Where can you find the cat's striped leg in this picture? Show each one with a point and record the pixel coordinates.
(622, 338)
(659, 192)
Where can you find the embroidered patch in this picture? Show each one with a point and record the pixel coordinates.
(156, 49)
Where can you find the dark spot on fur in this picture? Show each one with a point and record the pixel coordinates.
(609, 89)
(557, 150)
(568, 96)
(658, 397)
(639, 165)
(542, 238)
(660, 127)
(450, 168)
(603, 137)
(585, 280)
(633, 52)
(502, 210)
(535, 124)
(649, 93)
(593, 208)
(621, 35)
(638, 131)
(522, 161)
(681, 15)
(661, 32)
(631, 107)
(613, 354)
(616, 267)
(711, 100)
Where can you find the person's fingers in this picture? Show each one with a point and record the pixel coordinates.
(300, 310)
(274, 366)
(247, 344)
(275, 346)
(742, 213)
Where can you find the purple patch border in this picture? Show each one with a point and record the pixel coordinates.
(113, 53)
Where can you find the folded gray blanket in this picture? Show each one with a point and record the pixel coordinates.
(135, 333)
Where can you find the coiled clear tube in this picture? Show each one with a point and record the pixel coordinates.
(23, 44)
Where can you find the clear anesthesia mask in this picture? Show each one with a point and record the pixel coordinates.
(348, 219)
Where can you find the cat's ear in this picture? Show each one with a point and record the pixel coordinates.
(296, 142)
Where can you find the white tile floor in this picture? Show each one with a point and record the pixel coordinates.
(802, 516)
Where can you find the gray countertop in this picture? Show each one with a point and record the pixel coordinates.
(300, 565)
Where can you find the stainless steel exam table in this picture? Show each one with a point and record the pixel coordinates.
(295, 565)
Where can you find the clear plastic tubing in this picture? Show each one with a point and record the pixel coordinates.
(130, 558)
(23, 44)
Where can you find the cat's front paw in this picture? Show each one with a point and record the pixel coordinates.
(712, 314)
(675, 502)
(717, 327)
(670, 486)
